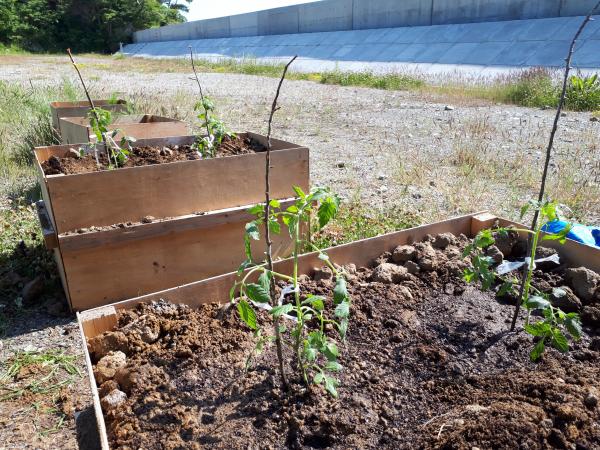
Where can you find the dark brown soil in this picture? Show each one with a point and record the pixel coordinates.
(428, 361)
(144, 156)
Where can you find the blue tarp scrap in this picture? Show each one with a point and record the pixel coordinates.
(588, 235)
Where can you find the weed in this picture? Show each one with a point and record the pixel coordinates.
(583, 93)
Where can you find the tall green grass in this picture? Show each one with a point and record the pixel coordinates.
(25, 123)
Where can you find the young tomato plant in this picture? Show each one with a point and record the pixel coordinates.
(100, 120)
(551, 330)
(314, 353)
(215, 128)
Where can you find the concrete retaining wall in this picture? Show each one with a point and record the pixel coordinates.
(339, 15)
(509, 44)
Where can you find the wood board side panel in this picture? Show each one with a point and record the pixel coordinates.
(361, 253)
(175, 189)
(151, 129)
(72, 132)
(95, 397)
(102, 275)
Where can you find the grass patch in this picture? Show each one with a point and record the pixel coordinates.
(357, 221)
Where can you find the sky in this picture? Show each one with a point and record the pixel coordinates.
(206, 9)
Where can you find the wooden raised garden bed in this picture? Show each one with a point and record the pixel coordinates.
(75, 130)
(120, 233)
(429, 362)
(80, 109)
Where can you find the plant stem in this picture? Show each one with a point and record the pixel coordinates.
(208, 135)
(92, 106)
(267, 220)
(548, 156)
(299, 315)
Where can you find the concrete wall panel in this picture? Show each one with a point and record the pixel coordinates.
(391, 13)
(332, 15)
(576, 7)
(243, 25)
(278, 21)
(467, 11)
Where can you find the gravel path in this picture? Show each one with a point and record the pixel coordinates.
(406, 150)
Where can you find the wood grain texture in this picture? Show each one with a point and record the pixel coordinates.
(170, 190)
(115, 271)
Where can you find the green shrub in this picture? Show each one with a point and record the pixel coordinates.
(534, 88)
(583, 93)
(395, 82)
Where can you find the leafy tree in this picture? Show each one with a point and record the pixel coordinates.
(83, 25)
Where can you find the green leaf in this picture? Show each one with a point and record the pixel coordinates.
(343, 328)
(319, 378)
(327, 211)
(524, 210)
(256, 210)
(252, 230)
(342, 310)
(483, 239)
(279, 311)
(274, 226)
(333, 366)
(537, 351)
(299, 192)
(274, 203)
(310, 353)
(330, 385)
(573, 325)
(559, 341)
(264, 280)
(537, 302)
(330, 351)
(257, 293)
(505, 288)
(538, 328)
(247, 314)
(316, 301)
(340, 291)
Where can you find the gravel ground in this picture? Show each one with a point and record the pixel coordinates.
(427, 156)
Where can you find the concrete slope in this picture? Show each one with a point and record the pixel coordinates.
(481, 48)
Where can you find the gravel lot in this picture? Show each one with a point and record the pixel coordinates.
(430, 156)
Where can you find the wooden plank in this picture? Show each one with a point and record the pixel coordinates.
(95, 397)
(115, 271)
(73, 242)
(361, 253)
(77, 129)
(173, 189)
(81, 108)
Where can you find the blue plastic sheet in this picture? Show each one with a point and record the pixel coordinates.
(585, 234)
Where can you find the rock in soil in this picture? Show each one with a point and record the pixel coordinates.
(108, 365)
(584, 282)
(565, 299)
(112, 400)
(403, 253)
(423, 369)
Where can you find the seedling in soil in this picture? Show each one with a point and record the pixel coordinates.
(100, 119)
(216, 130)
(314, 353)
(552, 329)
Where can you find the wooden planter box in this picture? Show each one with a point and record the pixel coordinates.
(168, 190)
(362, 253)
(80, 109)
(200, 207)
(75, 130)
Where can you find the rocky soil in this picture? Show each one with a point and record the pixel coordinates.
(429, 364)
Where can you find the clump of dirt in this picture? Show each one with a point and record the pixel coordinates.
(429, 363)
(74, 163)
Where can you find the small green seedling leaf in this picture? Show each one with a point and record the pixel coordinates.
(340, 291)
(247, 314)
(279, 311)
(257, 293)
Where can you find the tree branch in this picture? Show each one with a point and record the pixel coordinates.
(549, 152)
(274, 108)
(208, 136)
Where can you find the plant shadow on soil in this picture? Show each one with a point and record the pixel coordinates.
(428, 362)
